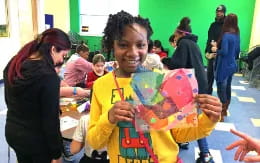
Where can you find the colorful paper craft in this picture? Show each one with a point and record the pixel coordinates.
(165, 101)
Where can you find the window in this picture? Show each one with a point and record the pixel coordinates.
(94, 14)
(3, 19)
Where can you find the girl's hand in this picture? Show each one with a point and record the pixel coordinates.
(56, 161)
(210, 105)
(213, 43)
(121, 111)
(245, 145)
(214, 49)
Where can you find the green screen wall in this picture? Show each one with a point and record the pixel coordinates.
(166, 14)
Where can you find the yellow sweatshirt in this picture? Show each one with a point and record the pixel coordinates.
(102, 133)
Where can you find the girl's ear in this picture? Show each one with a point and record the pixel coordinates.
(53, 50)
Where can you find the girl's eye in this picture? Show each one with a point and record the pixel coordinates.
(122, 45)
(141, 46)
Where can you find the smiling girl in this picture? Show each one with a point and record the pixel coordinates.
(112, 113)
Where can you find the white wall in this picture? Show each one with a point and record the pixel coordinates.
(20, 28)
(10, 45)
(255, 34)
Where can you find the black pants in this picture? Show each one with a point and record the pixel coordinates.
(254, 54)
(210, 75)
(86, 159)
(33, 158)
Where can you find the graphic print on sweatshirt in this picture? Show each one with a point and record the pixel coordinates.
(131, 146)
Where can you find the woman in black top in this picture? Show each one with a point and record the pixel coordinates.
(32, 97)
(188, 55)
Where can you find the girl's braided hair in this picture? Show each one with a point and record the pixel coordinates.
(115, 27)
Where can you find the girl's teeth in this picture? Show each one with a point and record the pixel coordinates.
(132, 62)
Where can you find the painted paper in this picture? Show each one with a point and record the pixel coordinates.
(165, 100)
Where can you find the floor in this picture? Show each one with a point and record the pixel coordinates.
(244, 115)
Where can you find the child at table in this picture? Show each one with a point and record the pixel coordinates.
(98, 70)
(68, 91)
(78, 143)
(77, 67)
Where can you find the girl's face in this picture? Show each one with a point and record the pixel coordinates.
(84, 54)
(131, 50)
(173, 44)
(156, 49)
(99, 67)
(178, 35)
(58, 57)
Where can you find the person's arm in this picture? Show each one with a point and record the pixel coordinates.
(49, 102)
(238, 49)
(76, 146)
(245, 145)
(210, 36)
(73, 91)
(211, 111)
(224, 46)
(57, 160)
(100, 128)
(79, 135)
(83, 65)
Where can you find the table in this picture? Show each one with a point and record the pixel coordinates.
(67, 134)
(70, 110)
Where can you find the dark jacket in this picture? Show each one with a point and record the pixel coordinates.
(32, 123)
(188, 55)
(214, 33)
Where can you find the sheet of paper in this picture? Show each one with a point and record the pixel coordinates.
(165, 100)
(223, 126)
(67, 122)
(66, 101)
(84, 107)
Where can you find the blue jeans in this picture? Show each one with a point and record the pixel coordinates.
(203, 145)
(224, 89)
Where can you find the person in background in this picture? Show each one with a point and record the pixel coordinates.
(173, 41)
(82, 50)
(167, 61)
(245, 145)
(214, 33)
(78, 142)
(188, 55)
(98, 70)
(152, 60)
(67, 91)
(32, 97)
(226, 65)
(77, 67)
(158, 49)
(112, 113)
(251, 56)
